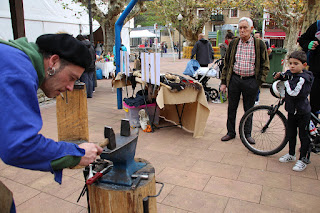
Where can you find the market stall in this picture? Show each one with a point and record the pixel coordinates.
(186, 106)
(107, 68)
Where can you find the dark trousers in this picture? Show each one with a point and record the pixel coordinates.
(203, 65)
(248, 88)
(87, 78)
(301, 122)
(314, 95)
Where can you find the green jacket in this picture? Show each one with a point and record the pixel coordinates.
(262, 65)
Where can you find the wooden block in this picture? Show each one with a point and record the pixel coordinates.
(121, 199)
(72, 115)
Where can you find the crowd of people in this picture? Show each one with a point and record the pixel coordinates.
(246, 66)
(55, 61)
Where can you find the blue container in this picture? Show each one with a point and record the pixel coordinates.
(99, 74)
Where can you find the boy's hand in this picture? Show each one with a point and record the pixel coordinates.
(276, 75)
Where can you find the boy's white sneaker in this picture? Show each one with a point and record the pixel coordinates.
(299, 166)
(287, 158)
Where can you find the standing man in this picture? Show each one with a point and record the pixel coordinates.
(53, 64)
(203, 51)
(309, 41)
(88, 75)
(246, 66)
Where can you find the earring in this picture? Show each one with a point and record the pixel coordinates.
(51, 71)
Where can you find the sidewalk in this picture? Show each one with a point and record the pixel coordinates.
(200, 175)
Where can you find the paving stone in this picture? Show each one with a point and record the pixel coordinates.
(216, 169)
(235, 189)
(294, 201)
(48, 204)
(195, 201)
(240, 206)
(183, 178)
(265, 178)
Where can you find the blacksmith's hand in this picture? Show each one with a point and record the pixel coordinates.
(91, 152)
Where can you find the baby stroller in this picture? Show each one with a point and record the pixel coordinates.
(203, 75)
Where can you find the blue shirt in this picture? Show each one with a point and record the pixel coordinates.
(21, 145)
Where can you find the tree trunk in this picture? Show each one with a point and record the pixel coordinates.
(109, 37)
(312, 14)
(290, 43)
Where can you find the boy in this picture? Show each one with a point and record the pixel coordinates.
(298, 82)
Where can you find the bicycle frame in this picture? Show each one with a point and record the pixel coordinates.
(272, 113)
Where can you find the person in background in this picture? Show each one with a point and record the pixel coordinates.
(53, 64)
(257, 34)
(246, 66)
(88, 75)
(223, 47)
(122, 48)
(298, 82)
(309, 41)
(203, 51)
(98, 49)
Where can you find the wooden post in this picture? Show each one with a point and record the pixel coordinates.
(72, 114)
(17, 18)
(111, 198)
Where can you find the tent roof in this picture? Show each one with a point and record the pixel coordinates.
(141, 34)
(46, 16)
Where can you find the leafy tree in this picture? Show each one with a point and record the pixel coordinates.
(191, 25)
(106, 13)
(311, 10)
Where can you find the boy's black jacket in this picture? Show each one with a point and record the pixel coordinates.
(298, 87)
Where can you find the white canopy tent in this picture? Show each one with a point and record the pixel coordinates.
(46, 16)
(142, 34)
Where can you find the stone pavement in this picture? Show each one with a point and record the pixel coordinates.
(200, 175)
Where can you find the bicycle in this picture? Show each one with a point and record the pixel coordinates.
(269, 128)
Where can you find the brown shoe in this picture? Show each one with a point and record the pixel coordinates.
(251, 140)
(227, 138)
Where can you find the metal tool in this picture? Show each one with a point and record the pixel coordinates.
(109, 134)
(145, 201)
(122, 157)
(138, 179)
(90, 171)
(98, 175)
(125, 127)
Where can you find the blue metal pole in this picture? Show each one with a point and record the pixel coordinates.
(118, 28)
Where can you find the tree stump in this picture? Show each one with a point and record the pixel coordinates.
(111, 198)
(72, 115)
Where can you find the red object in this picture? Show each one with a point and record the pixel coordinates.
(274, 35)
(226, 41)
(273, 46)
(141, 46)
(97, 176)
(94, 178)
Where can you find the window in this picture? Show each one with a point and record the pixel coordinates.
(234, 13)
(200, 12)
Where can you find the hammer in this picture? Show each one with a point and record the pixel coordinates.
(138, 179)
(110, 138)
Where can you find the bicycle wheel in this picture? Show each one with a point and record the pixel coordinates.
(268, 132)
(212, 94)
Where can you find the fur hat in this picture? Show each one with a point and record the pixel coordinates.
(67, 47)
